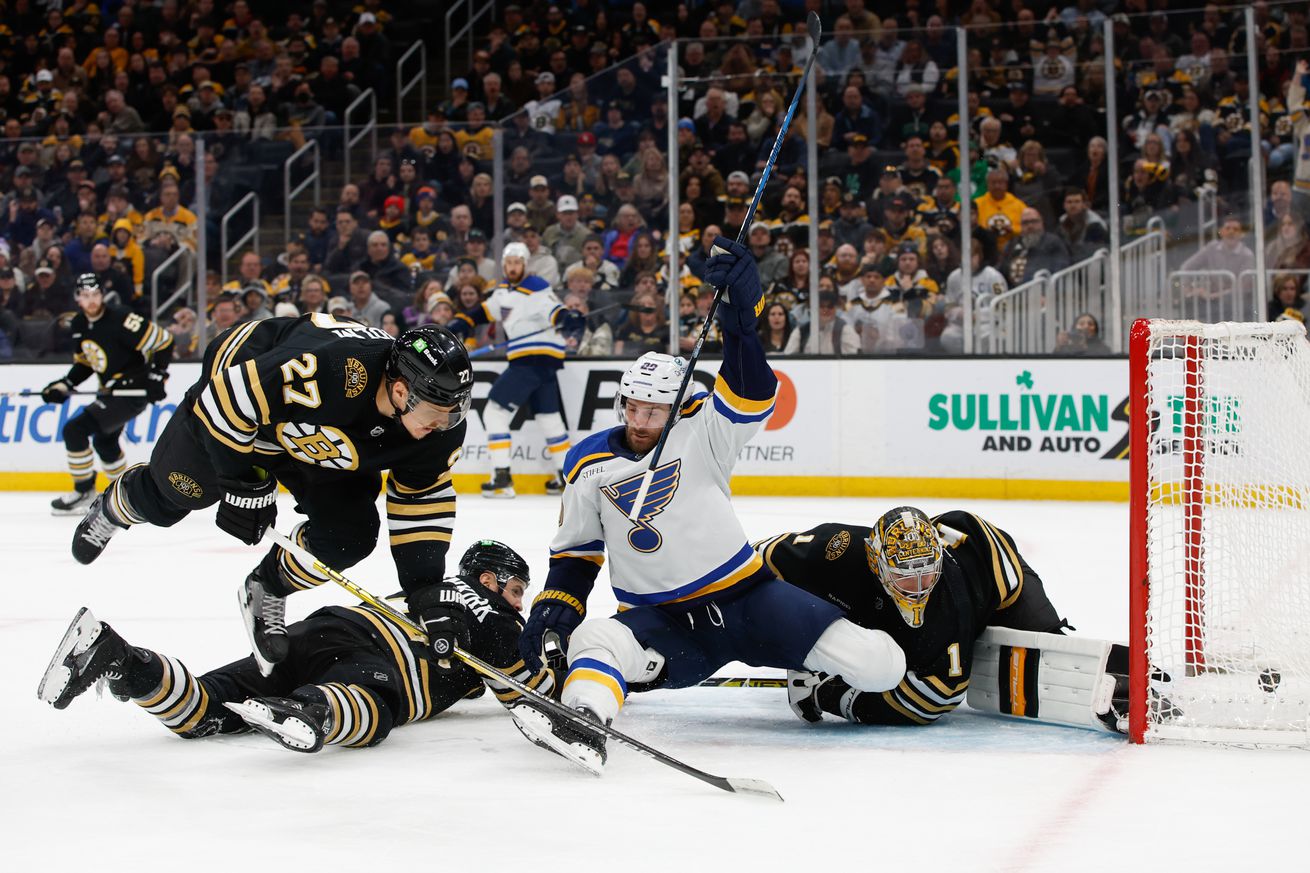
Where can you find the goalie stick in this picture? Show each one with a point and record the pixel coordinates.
(531, 696)
(815, 29)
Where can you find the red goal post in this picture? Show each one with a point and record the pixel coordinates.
(1219, 637)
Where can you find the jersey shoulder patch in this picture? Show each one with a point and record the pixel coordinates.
(590, 450)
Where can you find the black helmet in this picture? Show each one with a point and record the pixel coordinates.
(435, 365)
(87, 282)
(496, 557)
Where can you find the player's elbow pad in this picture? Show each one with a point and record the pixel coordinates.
(869, 660)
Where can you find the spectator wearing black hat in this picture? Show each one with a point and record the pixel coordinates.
(851, 227)
(859, 172)
(615, 135)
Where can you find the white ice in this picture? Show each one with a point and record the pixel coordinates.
(101, 785)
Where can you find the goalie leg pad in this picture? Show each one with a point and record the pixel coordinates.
(1054, 678)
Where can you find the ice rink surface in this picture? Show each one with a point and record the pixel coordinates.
(103, 786)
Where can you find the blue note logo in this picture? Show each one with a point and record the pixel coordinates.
(663, 486)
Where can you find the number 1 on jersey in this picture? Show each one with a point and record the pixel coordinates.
(953, 653)
(303, 367)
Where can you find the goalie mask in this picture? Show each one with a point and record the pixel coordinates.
(906, 554)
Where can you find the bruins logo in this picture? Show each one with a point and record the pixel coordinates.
(356, 378)
(837, 545)
(95, 356)
(185, 485)
(317, 444)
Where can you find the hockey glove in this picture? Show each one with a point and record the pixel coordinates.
(553, 610)
(249, 507)
(733, 267)
(155, 390)
(441, 613)
(56, 392)
(571, 321)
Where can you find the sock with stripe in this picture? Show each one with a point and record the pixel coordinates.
(81, 464)
(177, 698)
(357, 716)
(114, 469)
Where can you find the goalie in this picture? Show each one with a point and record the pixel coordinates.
(970, 614)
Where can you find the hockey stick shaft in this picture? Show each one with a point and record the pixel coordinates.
(36, 392)
(815, 30)
(743, 682)
(531, 695)
(486, 350)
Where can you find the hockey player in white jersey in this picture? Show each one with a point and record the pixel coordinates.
(532, 317)
(693, 595)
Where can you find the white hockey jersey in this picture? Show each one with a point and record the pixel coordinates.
(529, 311)
(687, 544)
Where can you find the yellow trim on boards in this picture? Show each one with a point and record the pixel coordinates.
(790, 486)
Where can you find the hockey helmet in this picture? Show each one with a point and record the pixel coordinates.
(515, 250)
(87, 282)
(494, 557)
(435, 365)
(652, 378)
(905, 552)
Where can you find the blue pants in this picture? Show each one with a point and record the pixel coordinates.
(527, 384)
(771, 624)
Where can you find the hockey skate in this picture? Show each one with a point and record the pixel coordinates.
(293, 724)
(564, 737)
(500, 485)
(265, 617)
(73, 503)
(89, 652)
(803, 693)
(95, 531)
(555, 485)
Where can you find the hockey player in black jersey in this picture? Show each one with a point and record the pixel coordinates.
(322, 406)
(128, 354)
(933, 584)
(351, 673)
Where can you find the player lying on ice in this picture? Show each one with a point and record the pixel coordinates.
(351, 673)
(969, 614)
(693, 595)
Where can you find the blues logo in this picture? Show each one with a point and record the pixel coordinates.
(663, 485)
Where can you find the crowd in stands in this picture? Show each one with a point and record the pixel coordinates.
(575, 92)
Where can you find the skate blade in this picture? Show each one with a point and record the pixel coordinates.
(500, 494)
(291, 733)
(265, 666)
(70, 512)
(536, 728)
(81, 634)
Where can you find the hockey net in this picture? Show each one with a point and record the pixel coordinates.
(1220, 539)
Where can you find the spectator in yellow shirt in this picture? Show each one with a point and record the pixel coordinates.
(998, 210)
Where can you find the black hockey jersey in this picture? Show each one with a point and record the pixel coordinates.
(121, 347)
(494, 628)
(982, 576)
(301, 393)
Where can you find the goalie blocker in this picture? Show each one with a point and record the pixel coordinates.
(1054, 678)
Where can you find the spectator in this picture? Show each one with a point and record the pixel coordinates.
(1082, 230)
(856, 118)
(565, 237)
(118, 117)
(1093, 176)
(643, 257)
(349, 248)
(390, 278)
(1148, 194)
(916, 70)
(646, 328)
(942, 260)
(318, 239)
(1290, 247)
(1084, 339)
(540, 261)
(712, 126)
(845, 271)
(651, 185)
(365, 306)
(1033, 250)
(222, 315)
(618, 240)
(998, 210)
(596, 338)
(776, 329)
(1287, 297)
(771, 263)
(1036, 182)
(833, 335)
(1228, 253)
(841, 54)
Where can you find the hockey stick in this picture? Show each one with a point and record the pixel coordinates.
(36, 392)
(532, 697)
(815, 29)
(743, 682)
(486, 350)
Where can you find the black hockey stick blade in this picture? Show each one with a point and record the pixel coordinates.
(531, 696)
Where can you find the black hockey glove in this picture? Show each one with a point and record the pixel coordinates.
(56, 392)
(732, 266)
(441, 612)
(572, 321)
(155, 390)
(553, 610)
(249, 507)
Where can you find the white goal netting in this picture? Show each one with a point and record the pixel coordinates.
(1227, 532)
